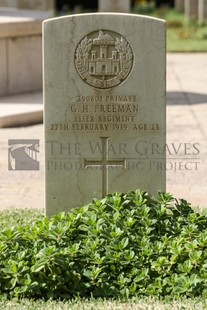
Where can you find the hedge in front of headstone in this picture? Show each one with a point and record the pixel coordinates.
(121, 246)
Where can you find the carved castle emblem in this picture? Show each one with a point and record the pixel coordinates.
(104, 59)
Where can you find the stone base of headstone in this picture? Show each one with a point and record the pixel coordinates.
(20, 50)
(39, 5)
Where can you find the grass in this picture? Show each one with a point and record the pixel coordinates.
(10, 218)
(144, 304)
(187, 39)
(14, 217)
(182, 35)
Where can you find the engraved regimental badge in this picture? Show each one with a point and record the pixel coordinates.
(104, 59)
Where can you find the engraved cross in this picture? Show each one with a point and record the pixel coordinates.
(104, 163)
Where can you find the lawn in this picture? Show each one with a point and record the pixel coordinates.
(182, 35)
(187, 39)
(144, 304)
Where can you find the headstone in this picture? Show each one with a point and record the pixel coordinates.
(39, 5)
(191, 9)
(122, 6)
(202, 11)
(104, 100)
(180, 5)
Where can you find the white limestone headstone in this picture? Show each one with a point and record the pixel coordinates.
(104, 101)
(202, 11)
(122, 6)
(191, 9)
(180, 5)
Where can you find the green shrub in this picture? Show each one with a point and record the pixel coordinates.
(121, 246)
(174, 24)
